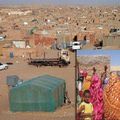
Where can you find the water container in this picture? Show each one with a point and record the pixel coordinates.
(12, 80)
(11, 55)
(64, 45)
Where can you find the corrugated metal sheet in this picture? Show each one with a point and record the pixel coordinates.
(19, 43)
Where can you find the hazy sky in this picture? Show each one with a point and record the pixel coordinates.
(89, 2)
(114, 54)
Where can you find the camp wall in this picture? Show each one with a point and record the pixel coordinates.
(19, 52)
(111, 41)
(90, 35)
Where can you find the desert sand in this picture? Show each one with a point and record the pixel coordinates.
(26, 72)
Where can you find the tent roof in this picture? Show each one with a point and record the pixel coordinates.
(46, 81)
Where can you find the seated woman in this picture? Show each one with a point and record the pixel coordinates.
(86, 108)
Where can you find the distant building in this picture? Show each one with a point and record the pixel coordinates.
(42, 40)
(111, 40)
(19, 12)
(19, 43)
(88, 35)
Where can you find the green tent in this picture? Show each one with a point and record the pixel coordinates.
(31, 31)
(44, 93)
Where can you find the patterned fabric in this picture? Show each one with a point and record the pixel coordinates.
(97, 97)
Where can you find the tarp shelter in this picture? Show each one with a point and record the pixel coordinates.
(31, 31)
(43, 93)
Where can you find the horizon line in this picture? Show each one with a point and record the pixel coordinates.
(60, 4)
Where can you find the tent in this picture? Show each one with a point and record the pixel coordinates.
(43, 93)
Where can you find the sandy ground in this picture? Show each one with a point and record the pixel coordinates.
(26, 72)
